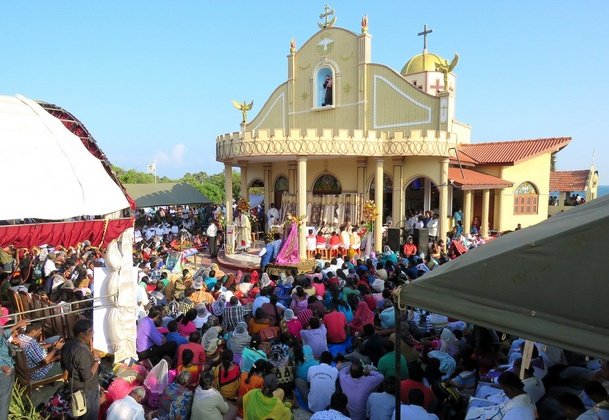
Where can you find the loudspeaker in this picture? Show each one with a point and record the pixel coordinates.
(421, 240)
(394, 238)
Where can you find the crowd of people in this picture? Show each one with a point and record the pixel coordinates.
(225, 345)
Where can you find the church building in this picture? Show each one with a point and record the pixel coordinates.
(342, 130)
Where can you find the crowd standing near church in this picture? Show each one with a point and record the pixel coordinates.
(230, 345)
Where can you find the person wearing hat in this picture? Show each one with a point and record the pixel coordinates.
(520, 406)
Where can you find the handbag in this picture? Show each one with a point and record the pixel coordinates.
(78, 400)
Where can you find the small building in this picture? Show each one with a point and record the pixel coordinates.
(342, 130)
(565, 187)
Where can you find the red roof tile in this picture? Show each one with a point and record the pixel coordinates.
(463, 158)
(510, 152)
(568, 181)
(472, 180)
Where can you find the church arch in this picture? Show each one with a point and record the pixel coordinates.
(421, 193)
(281, 185)
(327, 184)
(526, 198)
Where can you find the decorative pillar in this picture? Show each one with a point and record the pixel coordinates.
(443, 187)
(485, 209)
(302, 205)
(378, 198)
(292, 177)
(243, 178)
(467, 211)
(362, 164)
(268, 180)
(228, 191)
(397, 207)
(427, 195)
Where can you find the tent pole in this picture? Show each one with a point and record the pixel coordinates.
(398, 359)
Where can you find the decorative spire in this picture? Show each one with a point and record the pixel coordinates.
(327, 22)
(293, 46)
(365, 24)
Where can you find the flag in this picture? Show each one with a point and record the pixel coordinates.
(151, 168)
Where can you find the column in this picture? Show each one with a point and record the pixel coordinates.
(467, 211)
(302, 204)
(378, 199)
(292, 177)
(362, 164)
(485, 208)
(397, 207)
(243, 178)
(228, 191)
(268, 187)
(427, 195)
(443, 187)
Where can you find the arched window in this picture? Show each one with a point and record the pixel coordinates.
(526, 199)
(281, 185)
(324, 87)
(327, 185)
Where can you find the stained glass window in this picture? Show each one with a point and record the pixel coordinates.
(327, 185)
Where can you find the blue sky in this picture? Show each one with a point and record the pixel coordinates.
(155, 79)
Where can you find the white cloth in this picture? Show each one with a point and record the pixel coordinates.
(329, 415)
(126, 408)
(519, 408)
(415, 412)
(272, 216)
(534, 388)
(322, 378)
(48, 267)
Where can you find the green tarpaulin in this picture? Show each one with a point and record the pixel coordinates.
(165, 194)
(547, 283)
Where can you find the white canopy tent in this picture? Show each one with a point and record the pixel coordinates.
(48, 173)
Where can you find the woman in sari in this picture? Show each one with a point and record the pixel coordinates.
(252, 354)
(363, 315)
(226, 377)
(211, 343)
(265, 403)
(288, 253)
(238, 340)
(252, 380)
(177, 399)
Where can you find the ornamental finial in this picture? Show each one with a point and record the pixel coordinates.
(365, 24)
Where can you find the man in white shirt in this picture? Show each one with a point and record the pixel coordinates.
(322, 380)
(129, 407)
(337, 410)
(415, 410)
(272, 217)
(520, 406)
(212, 233)
(49, 265)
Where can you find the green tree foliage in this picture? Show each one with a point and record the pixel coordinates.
(212, 186)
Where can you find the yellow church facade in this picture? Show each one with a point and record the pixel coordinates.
(342, 130)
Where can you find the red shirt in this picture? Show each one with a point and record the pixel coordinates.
(407, 384)
(336, 323)
(198, 351)
(410, 249)
(320, 289)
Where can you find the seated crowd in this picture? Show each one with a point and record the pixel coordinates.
(223, 345)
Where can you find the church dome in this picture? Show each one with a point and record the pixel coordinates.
(422, 62)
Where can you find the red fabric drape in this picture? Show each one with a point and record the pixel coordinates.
(64, 233)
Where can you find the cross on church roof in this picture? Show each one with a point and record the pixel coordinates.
(425, 33)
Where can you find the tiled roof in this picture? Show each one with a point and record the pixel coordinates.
(510, 152)
(463, 158)
(568, 181)
(472, 180)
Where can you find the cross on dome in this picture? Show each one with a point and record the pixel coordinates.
(424, 34)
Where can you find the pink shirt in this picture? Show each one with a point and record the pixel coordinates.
(186, 330)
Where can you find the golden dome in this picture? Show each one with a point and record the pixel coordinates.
(422, 62)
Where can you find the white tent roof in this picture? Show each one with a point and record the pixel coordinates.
(46, 170)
